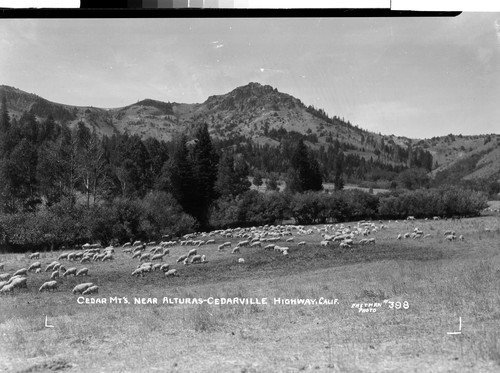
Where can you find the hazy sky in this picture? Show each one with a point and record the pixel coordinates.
(417, 77)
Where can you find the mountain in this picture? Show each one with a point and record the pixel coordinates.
(264, 115)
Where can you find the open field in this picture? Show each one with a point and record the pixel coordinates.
(440, 281)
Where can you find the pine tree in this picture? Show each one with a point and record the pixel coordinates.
(205, 161)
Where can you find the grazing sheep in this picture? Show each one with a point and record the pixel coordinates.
(7, 289)
(108, 257)
(301, 243)
(186, 261)
(83, 272)
(158, 257)
(165, 267)
(21, 272)
(20, 282)
(192, 252)
(371, 240)
(290, 239)
(255, 244)
(324, 243)
(269, 247)
(450, 237)
(235, 250)
(181, 258)
(49, 285)
(61, 268)
(145, 256)
(34, 266)
(241, 260)
(54, 275)
(156, 266)
(171, 273)
(127, 244)
(70, 271)
(138, 272)
(38, 270)
(35, 255)
(407, 235)
(4, 276)
(50, 266)
(85, 259)
(344, 245)
(461, 237)
(71, 256)
(210, 242)
(243, 243)
(82, 287)
(198, 259)
(91, 290)
(128, 250)
(399, 237)
(137, 243)
(137, 255)
(3, 283)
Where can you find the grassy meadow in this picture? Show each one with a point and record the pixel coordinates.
(440, 281)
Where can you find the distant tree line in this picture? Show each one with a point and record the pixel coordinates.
(63, 187)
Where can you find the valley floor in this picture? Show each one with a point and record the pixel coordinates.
(411, 294)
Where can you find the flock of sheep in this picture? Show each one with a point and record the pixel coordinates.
(268, 237)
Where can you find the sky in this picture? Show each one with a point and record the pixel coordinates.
(415, 77)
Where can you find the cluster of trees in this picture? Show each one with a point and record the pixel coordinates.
(63, 186)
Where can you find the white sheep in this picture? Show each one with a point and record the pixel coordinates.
(83, 272)
(171, 273)
(136, 255)
(324, 243)
(4, 277)
(49, 285)
(192, 252)
(54, 275)
(38, 270)
(290, 239)
(181, 258)
(138, 272)
(3, 283)
(156, 266)
(21, 272)
(256, 243)
(91, 290)
(301, 243)
(371, 240)
(399, 237)
(9, 288)
(35, 255)
(235, 250)
(82, 287)
(165, 267)
(210, 242)
(85, 259)
(451, 237)
(71, 256)
(186, 261)
(145, 256)
(34, 266)
(241, 260)
(126, 244)
(70, 271)
(50, 266)
(108, 257)
(461, 237)
(158, 257)
(269, 247)
(20, 282)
